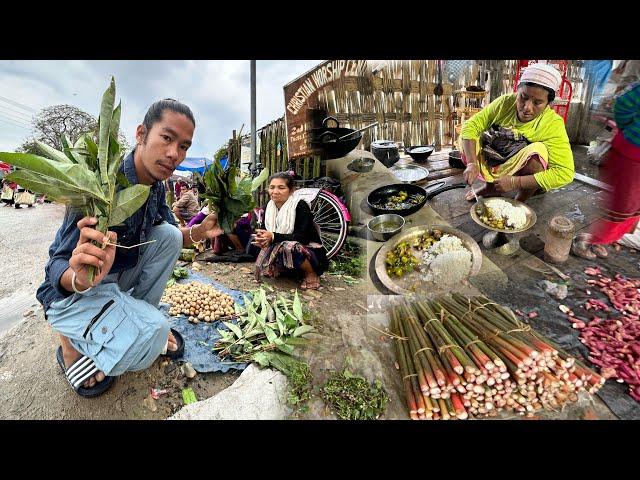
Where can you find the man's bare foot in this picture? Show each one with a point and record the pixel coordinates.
(70, 355)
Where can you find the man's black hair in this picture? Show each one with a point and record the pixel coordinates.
(551, 95)
(154, 114)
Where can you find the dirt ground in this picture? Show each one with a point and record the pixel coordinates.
(33, 387)
(31, 383)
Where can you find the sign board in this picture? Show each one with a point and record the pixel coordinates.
(303, 111)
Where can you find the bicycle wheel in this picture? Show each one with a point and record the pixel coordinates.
(331, 222)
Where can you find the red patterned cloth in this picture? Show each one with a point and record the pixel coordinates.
(621, 208)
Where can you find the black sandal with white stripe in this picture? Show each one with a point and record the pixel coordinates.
(80, 371)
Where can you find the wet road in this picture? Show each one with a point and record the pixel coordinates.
(25, 236)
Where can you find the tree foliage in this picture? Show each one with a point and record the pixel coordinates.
(67, 120)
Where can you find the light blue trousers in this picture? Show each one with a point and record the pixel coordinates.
(117, 323)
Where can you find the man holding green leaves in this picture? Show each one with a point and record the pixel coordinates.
(112, 324)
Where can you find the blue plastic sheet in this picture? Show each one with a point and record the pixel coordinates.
(200, 337)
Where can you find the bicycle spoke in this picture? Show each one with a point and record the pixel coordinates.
(328, 216)
(326, 207)
(327, 242)
(336, 226)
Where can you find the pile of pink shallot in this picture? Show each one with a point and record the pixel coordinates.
(614, 343)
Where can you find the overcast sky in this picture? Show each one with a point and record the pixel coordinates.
(218, 92)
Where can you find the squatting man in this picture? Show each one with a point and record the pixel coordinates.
(113, 325)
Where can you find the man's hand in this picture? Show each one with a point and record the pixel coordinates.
(471, 173)
(506, 184)
(86, 253)
(263, 238)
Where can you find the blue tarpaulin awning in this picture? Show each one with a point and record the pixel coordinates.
(197, 164)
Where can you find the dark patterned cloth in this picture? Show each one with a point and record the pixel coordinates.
(500, 143)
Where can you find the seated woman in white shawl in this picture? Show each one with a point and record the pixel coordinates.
(291, 241)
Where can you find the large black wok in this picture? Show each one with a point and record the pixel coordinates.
(382, 193)
(326, 138)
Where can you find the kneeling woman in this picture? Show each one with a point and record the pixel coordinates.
(291, 241)
(530, 139)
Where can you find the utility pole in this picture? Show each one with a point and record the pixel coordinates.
(253, 114)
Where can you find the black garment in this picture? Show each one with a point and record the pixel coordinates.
(499, 144)
(305, 232)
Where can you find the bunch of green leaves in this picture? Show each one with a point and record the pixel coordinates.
(264, 324)
(177, 274)
(298, 373)
(229, 197)
(351, 397)
(84, 175)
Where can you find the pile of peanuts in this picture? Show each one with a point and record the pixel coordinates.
(198, 301)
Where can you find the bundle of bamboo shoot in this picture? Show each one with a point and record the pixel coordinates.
(469, 356)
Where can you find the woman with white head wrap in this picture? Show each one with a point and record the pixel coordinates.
(536, 153)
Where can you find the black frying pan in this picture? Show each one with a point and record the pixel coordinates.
(381, 193)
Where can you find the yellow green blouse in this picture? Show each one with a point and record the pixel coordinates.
(548, 128)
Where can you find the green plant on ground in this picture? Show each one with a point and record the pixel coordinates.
(349, 263)
(298, 373)
(351, 397)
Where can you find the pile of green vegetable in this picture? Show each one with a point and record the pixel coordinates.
(265, 323)
(227, 196)
(298, 373)
(351, 397)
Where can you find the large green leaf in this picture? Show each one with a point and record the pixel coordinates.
(234, 328)
(114, 127)
(302, 329)
(121, 179)
(70, 176)
(271, 335)
(66, 148)
(127, 202)
(47, 186)
(114, 157)
(106, 112)
(297, 306)
(52, 153)
(114, 147)
(260, 179)
(261, 358)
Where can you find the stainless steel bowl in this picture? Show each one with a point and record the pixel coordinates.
(396, 220)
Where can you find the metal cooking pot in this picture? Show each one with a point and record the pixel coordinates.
(386, 152)
(327, 139)
(455, 159)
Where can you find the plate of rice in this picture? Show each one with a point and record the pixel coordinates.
(428, 260)
(505, 215)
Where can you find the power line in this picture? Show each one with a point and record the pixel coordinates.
(18, 104)
(18, 121)
(13, 117)
(13, 124)
(17, 112)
